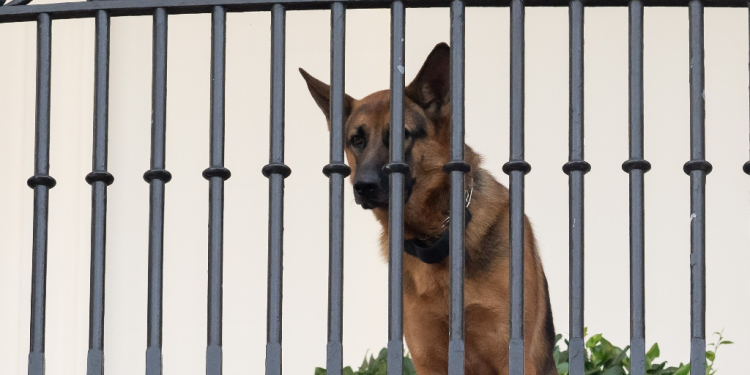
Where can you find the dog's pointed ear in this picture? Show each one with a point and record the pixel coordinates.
(321, 92)
(431, 88)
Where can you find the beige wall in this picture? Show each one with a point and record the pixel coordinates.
(306, 251)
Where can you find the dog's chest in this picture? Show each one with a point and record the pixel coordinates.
(427, 282)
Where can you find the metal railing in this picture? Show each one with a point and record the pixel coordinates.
(157, 176)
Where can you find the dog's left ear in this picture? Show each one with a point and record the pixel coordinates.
(321, 92)
(431, 88)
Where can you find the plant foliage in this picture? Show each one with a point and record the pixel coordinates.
(601, 358)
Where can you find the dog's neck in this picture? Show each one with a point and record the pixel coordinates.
(426, 218)
(429, 219)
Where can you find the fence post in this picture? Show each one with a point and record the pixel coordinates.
(276, 171)
(99, 179)
(397, 171)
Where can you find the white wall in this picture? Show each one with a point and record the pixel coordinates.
(306, 250)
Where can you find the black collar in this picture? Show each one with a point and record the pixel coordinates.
(436, 252)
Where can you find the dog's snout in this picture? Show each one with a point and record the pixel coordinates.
(370, 187)
(366, 188)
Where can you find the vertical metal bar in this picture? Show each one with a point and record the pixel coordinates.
(336, 170)
(99, 179)
(396, 169)
(516, 168)
(457, 167)
(276, 171)
(41, 182)
(575, 168)
(157, 177)
(697, 168)
(216, 174)
(636, 166)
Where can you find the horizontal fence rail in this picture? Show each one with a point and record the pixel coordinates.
(18, 13)
(697, 168)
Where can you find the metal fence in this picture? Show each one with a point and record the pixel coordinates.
(697, 168)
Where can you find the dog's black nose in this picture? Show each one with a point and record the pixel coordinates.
(365, 188)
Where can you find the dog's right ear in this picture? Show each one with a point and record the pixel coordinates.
(322, 95)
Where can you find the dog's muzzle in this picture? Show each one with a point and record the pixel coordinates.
(370, 194)
(372, 190)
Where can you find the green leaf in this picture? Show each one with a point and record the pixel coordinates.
(320, 371)
(652, 353)
(683, 370)
(621, 356)
(382, 368)
(383, 354)
(710, 355)
(614, 371)
(726, 342)
(656, 368)
(348, 371)
(591, 343)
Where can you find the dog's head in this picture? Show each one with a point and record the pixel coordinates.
(367, 131)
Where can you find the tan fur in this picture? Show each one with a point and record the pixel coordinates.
(426, 286)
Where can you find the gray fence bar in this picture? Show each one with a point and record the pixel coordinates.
(575, 168)
(516, 168)
(157, 177)
(336, 170)
(697, 168)
(276, 171)
(99, 179)
(636, 167)
(216, 174)
(41, 182)
(457, 167)
(396, 169)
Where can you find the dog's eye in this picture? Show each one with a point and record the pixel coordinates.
(407, 134)
(357, 140)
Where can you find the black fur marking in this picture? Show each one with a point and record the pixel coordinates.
(489, 252)
(437, 251)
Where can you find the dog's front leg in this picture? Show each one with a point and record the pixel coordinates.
(427, 339)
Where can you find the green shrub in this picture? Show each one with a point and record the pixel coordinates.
(602, 358)
(375, 366)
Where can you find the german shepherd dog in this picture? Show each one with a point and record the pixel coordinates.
(426, 273)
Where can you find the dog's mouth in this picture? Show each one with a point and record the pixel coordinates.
(371, 203)
(381, 198)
